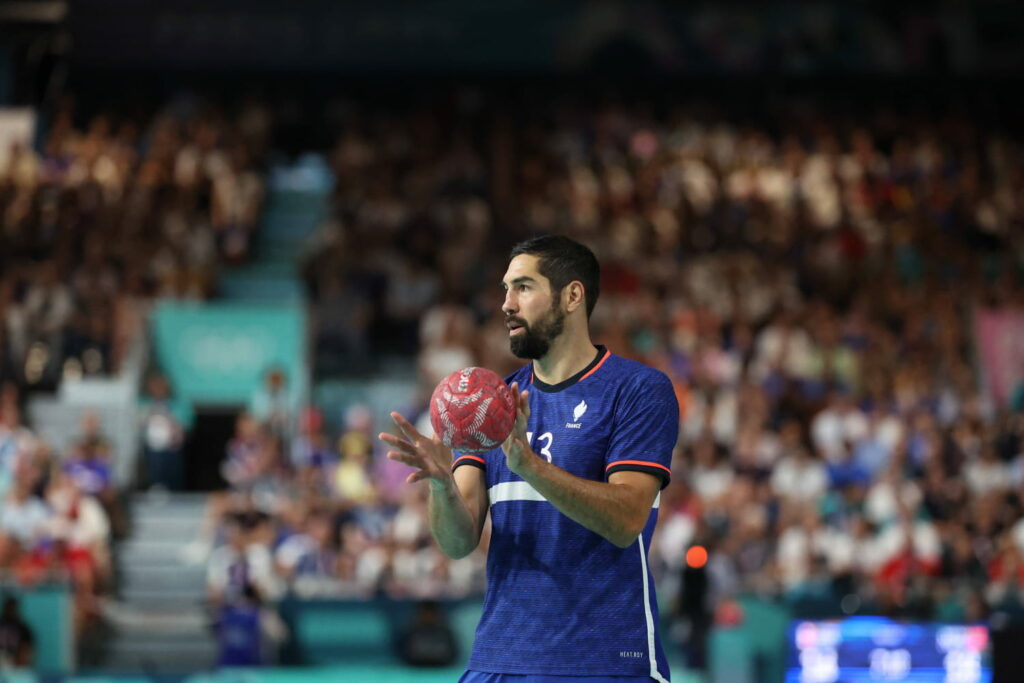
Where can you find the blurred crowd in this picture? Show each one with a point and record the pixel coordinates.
(111, 214)
(809, 282)
(309, 514)
(95, 223)
(321, 515)
(58, 512)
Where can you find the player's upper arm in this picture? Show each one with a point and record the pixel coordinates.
(643, 490)
(473, 488)
(645, 487)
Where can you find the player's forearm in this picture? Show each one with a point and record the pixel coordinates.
(451, 522)
(615, 512)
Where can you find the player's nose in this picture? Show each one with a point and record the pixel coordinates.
(509, 306)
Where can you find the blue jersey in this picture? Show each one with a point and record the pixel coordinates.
(562, 600)
(238, 629)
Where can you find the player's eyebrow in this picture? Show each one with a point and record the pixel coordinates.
(519, 280)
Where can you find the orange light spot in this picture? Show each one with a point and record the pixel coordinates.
(696, 557)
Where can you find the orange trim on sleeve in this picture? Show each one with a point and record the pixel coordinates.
(471, 457)
(637, 462)
(594, 369)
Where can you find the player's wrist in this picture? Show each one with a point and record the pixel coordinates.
(528, 463)
(442, 485)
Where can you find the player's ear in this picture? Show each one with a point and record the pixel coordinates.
(573, 296)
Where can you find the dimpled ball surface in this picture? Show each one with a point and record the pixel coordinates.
(472, 410)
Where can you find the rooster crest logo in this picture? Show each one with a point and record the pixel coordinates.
(578, 411)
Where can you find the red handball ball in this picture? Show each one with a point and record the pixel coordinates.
(472, 410)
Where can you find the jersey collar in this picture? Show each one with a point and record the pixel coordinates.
(599, 359)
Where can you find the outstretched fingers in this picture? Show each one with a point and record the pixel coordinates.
(416, 476)
(396, 442)
(411, 459)
(406, 427)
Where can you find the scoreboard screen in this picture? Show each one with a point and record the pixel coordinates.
(879, 650)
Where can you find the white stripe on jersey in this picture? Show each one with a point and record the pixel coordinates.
(651, 652)
(513, 490)
(521, 490)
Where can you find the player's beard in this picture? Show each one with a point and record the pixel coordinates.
(536, 339)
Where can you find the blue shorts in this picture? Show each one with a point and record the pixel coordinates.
(480, 677)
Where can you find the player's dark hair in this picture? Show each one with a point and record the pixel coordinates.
(563, 260)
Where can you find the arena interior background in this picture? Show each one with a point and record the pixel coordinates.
(234, 235)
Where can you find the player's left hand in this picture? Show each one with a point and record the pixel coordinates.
(517, 445)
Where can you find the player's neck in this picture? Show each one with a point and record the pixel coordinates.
(568, 354)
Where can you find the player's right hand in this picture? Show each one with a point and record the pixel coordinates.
(431, 458)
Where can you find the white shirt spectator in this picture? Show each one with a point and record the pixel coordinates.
(293, 549)
(883, 500)
(867, 557)
(80, 520)
(796, 546)
(800, 478)
(836, 425)
(409, 525)
(924, 538)
(24, 518)
(790, 349)
(988, 475)
(711, 483)
(723, 408)
(259, 567)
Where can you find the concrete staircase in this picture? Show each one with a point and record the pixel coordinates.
(157, 623)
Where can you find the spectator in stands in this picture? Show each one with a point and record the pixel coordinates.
(236, 201)
(164, 422)
(88, 464)
(241, 466)
(241, 565)
(39, 324)
(23, 517)
(239, 632)
(273, 489)
(310, 448)
(800, 477)
(272, 404)
(353, 479)
(307, 560)
(80, 528)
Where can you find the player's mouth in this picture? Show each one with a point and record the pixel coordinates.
(515, 327)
